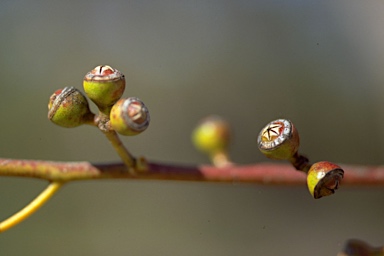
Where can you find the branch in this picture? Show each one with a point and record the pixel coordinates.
(261, 173)
(58, 173)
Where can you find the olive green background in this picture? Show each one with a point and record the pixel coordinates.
(318, 63)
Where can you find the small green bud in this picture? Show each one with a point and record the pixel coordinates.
(323, 179)
(69, 108)
(212, 135)
(129, 116)
(104, 86)
(279, 140)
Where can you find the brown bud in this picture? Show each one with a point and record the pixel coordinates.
(324, 178)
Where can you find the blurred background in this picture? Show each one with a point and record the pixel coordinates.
(318, 63)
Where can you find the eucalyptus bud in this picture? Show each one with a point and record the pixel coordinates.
(212, 135)
(129, 116)
(69, 108)
(104, 85)
(324, 178)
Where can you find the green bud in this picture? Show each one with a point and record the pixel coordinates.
(212, 135)
(104, 86)
(69, 108)
(279, 140)
(129, 116)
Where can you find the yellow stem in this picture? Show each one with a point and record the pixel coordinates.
(104, 125)
(221, 159)
(121, 150)
(32, 207)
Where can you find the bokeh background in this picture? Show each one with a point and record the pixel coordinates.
(318, 63)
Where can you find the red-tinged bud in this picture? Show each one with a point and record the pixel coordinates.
(129, 116)
(69, 108)
(104, 85)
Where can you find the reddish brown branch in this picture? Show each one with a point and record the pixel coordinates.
(262, 173)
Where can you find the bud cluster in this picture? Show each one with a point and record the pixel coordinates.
(104, 86)
(280, 140)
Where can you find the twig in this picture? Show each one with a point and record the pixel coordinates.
(261, 173)
(58, 173)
